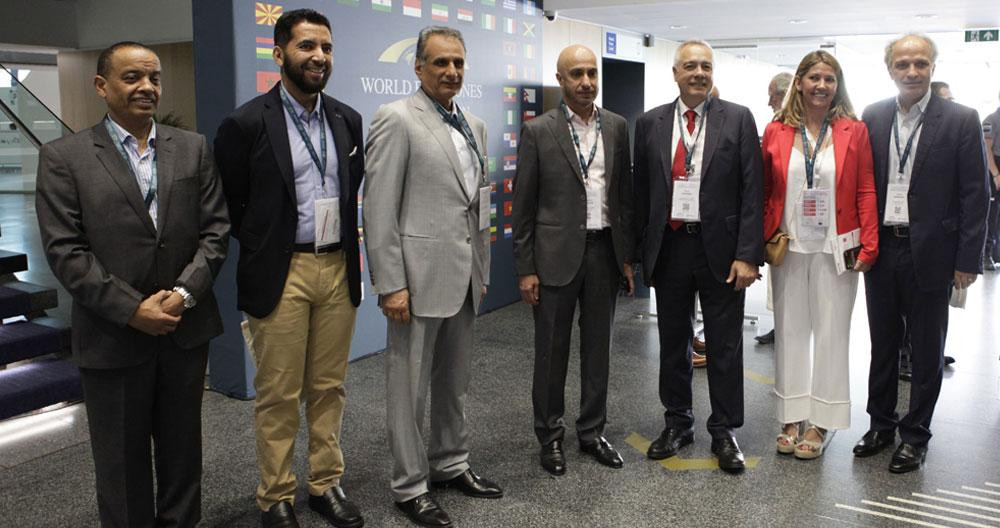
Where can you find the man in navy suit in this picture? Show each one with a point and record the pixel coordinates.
(931, 179)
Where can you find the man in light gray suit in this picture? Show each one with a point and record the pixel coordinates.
(426, 229)
(134, 226)
(573, 242)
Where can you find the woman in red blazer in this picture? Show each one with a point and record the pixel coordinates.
(823, 197)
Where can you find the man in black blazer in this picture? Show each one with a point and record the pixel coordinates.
(573, 242)
(291, 164)
(134, 226)
(931, 180)
(699, 205)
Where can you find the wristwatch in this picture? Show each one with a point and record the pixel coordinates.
(189, 300)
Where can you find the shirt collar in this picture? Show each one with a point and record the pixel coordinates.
(126, 137)
(301, 110)
(573, 116)
(921, 105)
(697, 109)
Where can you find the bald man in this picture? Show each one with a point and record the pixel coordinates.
(573, 243)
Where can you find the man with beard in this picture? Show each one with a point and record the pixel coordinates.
(291, 166)
(427, 219)
(573, 243)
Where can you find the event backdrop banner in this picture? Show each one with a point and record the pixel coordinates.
(374, 49)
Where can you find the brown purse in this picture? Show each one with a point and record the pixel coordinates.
(776, 248)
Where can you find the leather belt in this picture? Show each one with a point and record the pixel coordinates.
(691, 228)
(597, 234)
(898, 231)
(310, 247)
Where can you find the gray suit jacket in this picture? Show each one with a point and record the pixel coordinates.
(550, 200)
(102, 246)
(421, 229)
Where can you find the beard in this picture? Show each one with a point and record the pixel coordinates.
(297, 75)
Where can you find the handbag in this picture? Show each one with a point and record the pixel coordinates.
(776, 248)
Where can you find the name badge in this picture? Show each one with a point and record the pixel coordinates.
(484, 207)
(897, 208)
(684, 205)
(595, 206)
(327, 222)
(814, 214)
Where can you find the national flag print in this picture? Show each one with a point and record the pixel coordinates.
(511, 72)
(510, 4)
(529, 7)
(529, 51)
(493, 211)
(489, 22)
(493, 187)
(529, 115)
(267, 14)
(508, 25)
(509, 163)
(490, 3)
(493, 233)
(529, 29)
(509, 94)
(492, 167)
(508, 207)
(382, 5)
(266, 80)
(265, 46)
(464, 15)
(510, 138)
(510, 117)
(509, 48)
(352, 3)
(529, 95)
(530, 73)
(508, 231)
(439, 12)
(508, 185)
(412, 8)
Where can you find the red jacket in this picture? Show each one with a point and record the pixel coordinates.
(856, 200)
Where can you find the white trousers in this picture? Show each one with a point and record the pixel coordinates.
(812, 325)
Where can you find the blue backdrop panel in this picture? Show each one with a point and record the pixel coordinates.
(374, 46)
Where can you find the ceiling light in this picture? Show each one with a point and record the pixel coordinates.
(925, 16)
(678, 26)
(797, 21)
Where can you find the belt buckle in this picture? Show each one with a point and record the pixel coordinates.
(901, 231)
(691, 228)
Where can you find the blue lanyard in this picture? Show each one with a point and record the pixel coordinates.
(458, 122)
(689, 148)
(151, 192)
(584, 163)
(810, 153)
(319, 160)
(905, 154)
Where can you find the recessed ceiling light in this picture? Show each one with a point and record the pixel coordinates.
(925, 16)
(797, 21)
(678, 26)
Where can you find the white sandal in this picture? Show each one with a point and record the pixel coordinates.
(810, 449)
(786, 442)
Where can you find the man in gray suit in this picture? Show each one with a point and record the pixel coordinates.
(134, 226)
(426, 225)
(573, 242)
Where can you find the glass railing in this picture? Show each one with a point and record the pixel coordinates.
(25, 124)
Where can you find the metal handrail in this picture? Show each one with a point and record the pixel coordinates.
(14, 79)
(20, 124)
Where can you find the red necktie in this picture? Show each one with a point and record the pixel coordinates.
(679, 171)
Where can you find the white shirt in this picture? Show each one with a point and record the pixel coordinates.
(824, 177)
(142, 164)
(595, 181)
(699, 145)
(906, 122)
(466, 157)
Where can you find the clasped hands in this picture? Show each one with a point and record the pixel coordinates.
(158, 314)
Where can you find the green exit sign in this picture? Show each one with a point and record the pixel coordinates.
(982, 35)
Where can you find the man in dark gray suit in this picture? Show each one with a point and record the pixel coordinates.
(573, 242)
(134, 226)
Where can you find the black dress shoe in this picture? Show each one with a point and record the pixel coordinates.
(472, 485)
(728, 452)
(948, 360)
(765, 339)
(280, 515)
(873, 442)
(907, 458)
(335, 508)
(603, 452)
(669, 442)
(424, 511)
(552, 458)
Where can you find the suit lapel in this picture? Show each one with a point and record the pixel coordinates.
(439, 129)
(928, 132)
(716, 117)
(608, 139)
(108, 155)
(560, 131)
(344, 144)
(841, 139)
(164, 174)
(277, 133)
(665, 130)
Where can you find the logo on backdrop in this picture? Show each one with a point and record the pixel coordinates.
(404, 52)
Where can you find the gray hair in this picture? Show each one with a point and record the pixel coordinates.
(687, 44)
(781, 82)
(430, 31)
(921, 36)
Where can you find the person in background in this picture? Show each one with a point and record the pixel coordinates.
(942, 90)
(991, 132)
(818, 187)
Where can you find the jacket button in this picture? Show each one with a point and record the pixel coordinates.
(162, 245)
(468, 240)
(583, 227)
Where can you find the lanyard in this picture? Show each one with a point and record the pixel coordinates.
(458, 122)
(689, 146)
(811, 154)
(319, 160)
(905, 154)
(584, 162)
(151, 192)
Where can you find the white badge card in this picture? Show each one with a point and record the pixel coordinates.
(594, 208)
(684, 206)
(897, 209)
(484, 208)
(327, 221)
(814, 214)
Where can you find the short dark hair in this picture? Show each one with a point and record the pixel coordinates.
(430, 31)
(288, 21)
(104, 59)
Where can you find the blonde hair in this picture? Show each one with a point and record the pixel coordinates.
(792, 112)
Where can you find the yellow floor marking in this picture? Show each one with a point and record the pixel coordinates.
(759, 378)
(641, 444)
